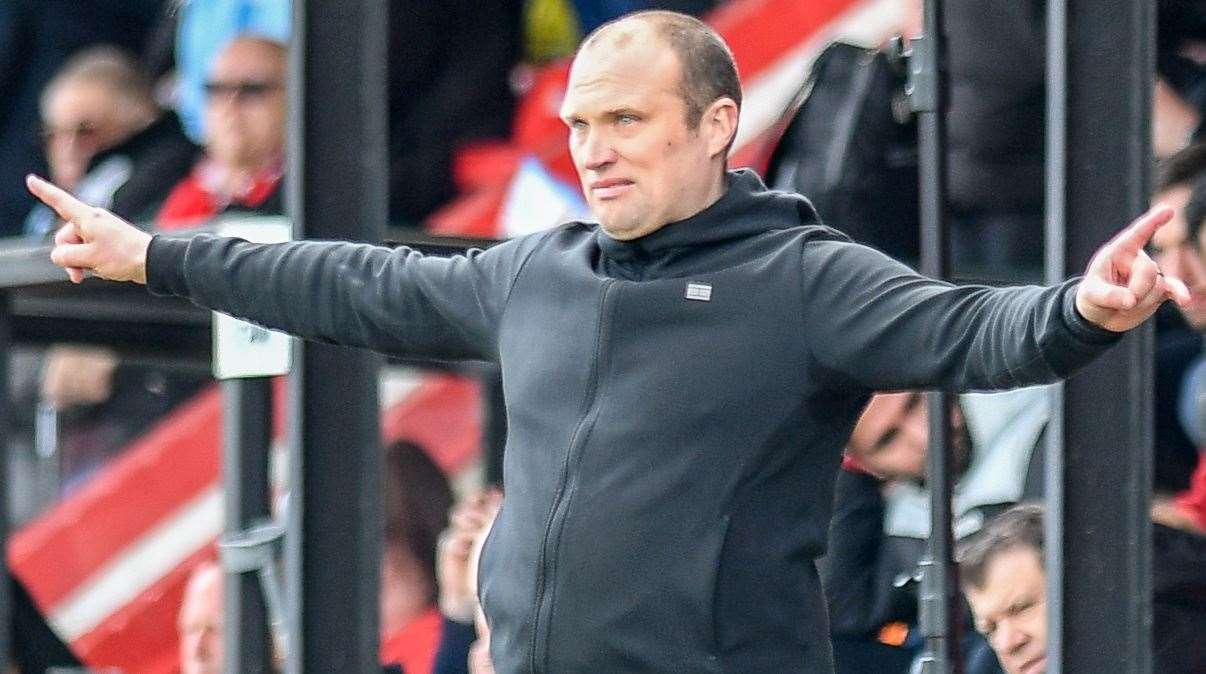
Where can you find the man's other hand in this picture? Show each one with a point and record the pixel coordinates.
(1123, 286)
(93, 239)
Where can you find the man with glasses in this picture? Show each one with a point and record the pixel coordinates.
(244, 138)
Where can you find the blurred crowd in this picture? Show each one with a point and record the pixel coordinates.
(172, 113)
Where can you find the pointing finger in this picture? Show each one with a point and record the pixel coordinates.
(68, 207)
(1138, 233)
(1143, 275)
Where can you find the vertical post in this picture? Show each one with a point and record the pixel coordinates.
(1098, 552)
(6, 598)
(247, 443)
(336, 189)
(939, 601)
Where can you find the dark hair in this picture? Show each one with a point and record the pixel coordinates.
(417, 501)
(1019, 527)
(1184, 167)
(1195, 210)
(708, 70)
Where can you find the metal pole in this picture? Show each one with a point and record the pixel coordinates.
(336, 189)
(1098, 552)
(939, 601)
(247, 446)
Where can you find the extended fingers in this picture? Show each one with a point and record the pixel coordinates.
(1135, 236)
(68, 207)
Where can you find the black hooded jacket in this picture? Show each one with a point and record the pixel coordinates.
(677, 406)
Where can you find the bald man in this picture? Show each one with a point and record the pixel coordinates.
(680, 377)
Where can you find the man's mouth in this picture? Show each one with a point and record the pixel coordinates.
(1035, 666)
(610, 188)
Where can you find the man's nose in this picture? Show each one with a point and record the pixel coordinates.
(598, 152)
(1009, 639)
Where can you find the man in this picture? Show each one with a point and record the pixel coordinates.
(200, 621)
(680, 377)
(1002, 574)
(1005, 584)
(244, 138)
(107, 140)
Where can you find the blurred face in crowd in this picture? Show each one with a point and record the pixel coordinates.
(80, 119)
(640, 163)
(892, 436)
(245, 105)
(201, 622)
(1178, 255)
(1011, 609)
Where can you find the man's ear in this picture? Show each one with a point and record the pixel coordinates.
(719, 124)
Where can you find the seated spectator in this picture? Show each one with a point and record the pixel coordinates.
(107, 140)
(869, 570)
(200, 621)
(244, 142)
(1005, 582)
(417, 501)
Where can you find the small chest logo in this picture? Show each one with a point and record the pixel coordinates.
(699, 291)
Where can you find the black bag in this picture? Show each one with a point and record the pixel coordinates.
(851, 148)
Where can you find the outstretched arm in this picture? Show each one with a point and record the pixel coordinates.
(360, 295)
(888, 328)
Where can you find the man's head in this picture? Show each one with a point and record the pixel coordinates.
(245, 104)
(652, 106)
(1174, 246)
(200, 622)
(892, 437)
(1003, 578)
(97, 100)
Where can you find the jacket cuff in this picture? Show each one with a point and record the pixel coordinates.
(165, 266)
(1080, 327)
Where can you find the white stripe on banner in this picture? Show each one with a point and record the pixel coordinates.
(140, 565)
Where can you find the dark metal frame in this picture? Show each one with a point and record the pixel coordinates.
(1098, 552)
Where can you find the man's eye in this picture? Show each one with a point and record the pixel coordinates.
(628, 119)
(577, 125)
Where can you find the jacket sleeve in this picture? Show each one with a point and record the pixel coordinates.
(388, 300)
(881, 326)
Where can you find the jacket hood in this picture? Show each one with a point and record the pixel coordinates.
(747, 208)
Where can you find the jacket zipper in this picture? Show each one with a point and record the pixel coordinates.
(556, 519)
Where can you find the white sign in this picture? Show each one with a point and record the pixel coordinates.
(243, 349)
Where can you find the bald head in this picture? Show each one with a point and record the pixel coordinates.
(708, 71)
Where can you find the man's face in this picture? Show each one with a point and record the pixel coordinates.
(892, 436)
(1011, 610)
(245, 105)
(1179, 256)
(640, 164)
(201, 624)
(80, 119)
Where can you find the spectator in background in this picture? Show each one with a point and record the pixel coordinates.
(200, 621)
(245, 138)
(108, 140)
(462, 648)
(1002, 571)
(204, 28)
(417, 502)
(1178, 330)
(36, 38)
(868, 571)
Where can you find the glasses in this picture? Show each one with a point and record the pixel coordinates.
(83, 131)
(241, 91)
